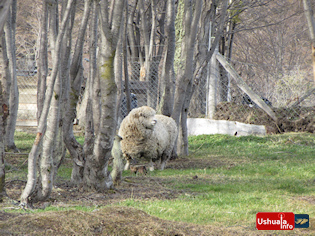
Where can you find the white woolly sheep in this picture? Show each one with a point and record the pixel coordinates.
(147, 135)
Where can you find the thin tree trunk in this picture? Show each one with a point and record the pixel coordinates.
(4, 10)
(125, 68)
(2, 132)
(93, 104)
(182, 145)
(41, 129)
(53, 148)
(10, 29)
(42, 62)
(311, 26)
(71, 100)
(191, 21)
(168, 74)
(134, 50)
(5, 72)
(190, 36)
(215, 43)
(96, 175)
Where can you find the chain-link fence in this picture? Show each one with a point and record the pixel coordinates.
(290, 96)
(27, 85)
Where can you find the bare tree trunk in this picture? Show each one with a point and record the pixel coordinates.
(4, 9)
(168, 74)
(10, 29)
(5, 73)
(311, 26)
(46, 168)
(96, 92)
(182, 144)
(96, 175)
(120, 61)
(218, 34)
(42, 62)
(41, 129)
(150, 60)
(71, 100)
(121, 70)
(118, 165)
(2, 132)
(134, 50)
(53, 148)
(190, 35)
(93, 103)
(191, 22)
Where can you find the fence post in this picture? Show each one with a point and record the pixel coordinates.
(243, 86)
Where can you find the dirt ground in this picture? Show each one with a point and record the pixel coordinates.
(107, 219)
(110, 220)
(296, 119)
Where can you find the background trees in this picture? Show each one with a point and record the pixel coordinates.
(4, 10)
(81, 45)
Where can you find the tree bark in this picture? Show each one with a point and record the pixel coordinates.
(42, 62)
(118, 165)
(41, 129)
(2, 132)
(190, 36)
(96, 175)
(191, 22)
(72, 94)
(311, 26)
(134, 50)
(53, 147)
(10, 29)
(168, 74)
(4, 9)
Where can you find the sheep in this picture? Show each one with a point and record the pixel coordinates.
(148, 136)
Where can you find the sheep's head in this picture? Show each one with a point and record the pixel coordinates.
(145, 116)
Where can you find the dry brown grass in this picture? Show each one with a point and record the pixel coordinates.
(105, 221)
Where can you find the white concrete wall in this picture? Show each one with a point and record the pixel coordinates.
(198, 126)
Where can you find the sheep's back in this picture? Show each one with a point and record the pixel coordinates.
(170, 126)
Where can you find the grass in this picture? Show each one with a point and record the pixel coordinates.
(241, 176)
(275, 173)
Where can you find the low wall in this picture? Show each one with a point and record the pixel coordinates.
(199, 126)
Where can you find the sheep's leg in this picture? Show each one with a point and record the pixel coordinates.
(151, 168)
(127, 165)
(165, 157)
(163, 163)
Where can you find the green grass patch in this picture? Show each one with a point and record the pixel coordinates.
(276, 173)
(236, 178)
(24, 141)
